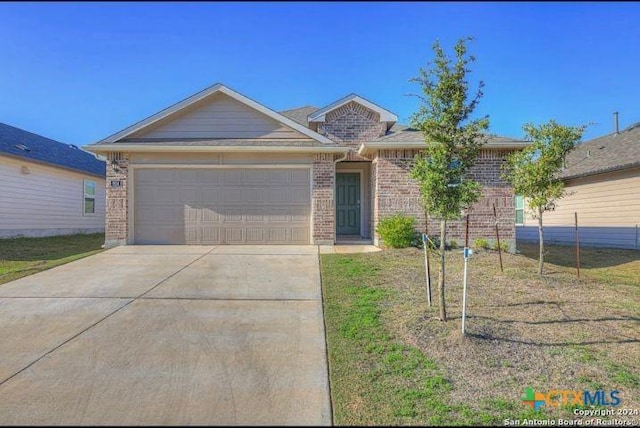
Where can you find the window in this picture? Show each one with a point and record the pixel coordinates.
(89, 197)
(519, 209)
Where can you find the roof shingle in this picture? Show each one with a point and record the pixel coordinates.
(41, 149)
(299, 114)
(405, 134)
(603, 154)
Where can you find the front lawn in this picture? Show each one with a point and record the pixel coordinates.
(20, 257)
(393, 362)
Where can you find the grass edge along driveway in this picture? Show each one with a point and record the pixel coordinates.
(389, 358)
(20, 257)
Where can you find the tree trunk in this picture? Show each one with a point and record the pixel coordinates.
(443, 236)
(426, 255)
(541, 243)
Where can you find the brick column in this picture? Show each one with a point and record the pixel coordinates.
(116, 227)
(324, 229)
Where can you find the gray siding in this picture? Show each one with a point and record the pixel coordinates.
(45, 201)
(218, 117)
(611, 237)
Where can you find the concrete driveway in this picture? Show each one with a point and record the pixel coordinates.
(167, 335)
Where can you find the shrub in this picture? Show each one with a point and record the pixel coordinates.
(398, 231)
(481, 243)
(503, 246)
(453, 243)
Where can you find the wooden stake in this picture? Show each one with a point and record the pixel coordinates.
(498, 238)
(577, 246)
(466, 234)
(427, 268)
(464, 279)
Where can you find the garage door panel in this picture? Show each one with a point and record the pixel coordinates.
(299, 234)
(191, 215)
(278, 196)
(233, 215)
(212, 206)
(187, 196)
(253, 176)
(210, 235)
(210, 195)
(233, 235)
(160, 214)
(232, 195)
(159, 235)
(299, 176)
(277, 234)
(231, 176)
(255, 235)
(255, 216)
(210, 215)
(256, 195)
(208, 176)
(299, 194)
(279, 177)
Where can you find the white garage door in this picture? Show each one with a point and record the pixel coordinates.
(222, 206)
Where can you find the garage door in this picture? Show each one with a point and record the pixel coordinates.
(222, 206)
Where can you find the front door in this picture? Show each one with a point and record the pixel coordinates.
(348, 203)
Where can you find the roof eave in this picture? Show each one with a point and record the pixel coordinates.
(145, 147)
(367, 148)
(602, 171)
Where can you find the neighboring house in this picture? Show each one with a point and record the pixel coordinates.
(48, 188)
(219, 167)
(602, 181)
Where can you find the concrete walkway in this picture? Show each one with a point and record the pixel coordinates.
(167, 335)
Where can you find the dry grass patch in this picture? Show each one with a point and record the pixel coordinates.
(554, 332)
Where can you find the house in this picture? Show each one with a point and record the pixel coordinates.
(219, 167)
(602, 181)
(48, 188)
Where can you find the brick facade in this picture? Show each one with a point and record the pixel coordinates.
(396, 192)
(352, 124)
(116, 230)
(322, 197)
(391, 188)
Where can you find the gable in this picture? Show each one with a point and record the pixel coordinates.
(216, 117)
(352, 110)
(382, 114)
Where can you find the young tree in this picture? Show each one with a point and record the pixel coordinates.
(534, 171)
(453, 141)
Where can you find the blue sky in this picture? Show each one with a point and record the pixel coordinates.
(80, 72)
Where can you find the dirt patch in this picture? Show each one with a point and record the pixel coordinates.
(554, 332)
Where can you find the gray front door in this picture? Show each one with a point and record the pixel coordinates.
(348, 203)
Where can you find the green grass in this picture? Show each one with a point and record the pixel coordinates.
(21, 257)
(368, 363)
(391, 362)
(376, 379)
